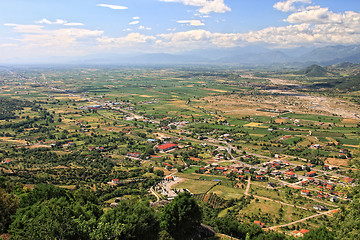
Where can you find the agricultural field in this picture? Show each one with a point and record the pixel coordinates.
(246, 147)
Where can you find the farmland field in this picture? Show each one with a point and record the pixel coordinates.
(242, 150)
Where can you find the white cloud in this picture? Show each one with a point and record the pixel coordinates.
(144, 28)
(132, 40)
(194, 39)
(44, 20)
(6, 45)
(206, 6)
(318, 15)
(195, 23)
(25, 28)
(36, 41)
(74, 24)
(116, 7)
(312, 25)
(134, 22)
(289, 5)
(59, 22)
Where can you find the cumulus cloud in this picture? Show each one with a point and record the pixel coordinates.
(25, 28)
(59, 22)
(313, 25)
(115, 7)
(319, 15)
(195, 23)
(289, 5)
(196, 39)
(37, 41)
(131, 40)
(206, 6)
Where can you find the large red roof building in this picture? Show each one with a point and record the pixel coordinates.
(167, 147)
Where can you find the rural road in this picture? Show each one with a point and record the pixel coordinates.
(155, 194)
(301, 220)
(248, 186)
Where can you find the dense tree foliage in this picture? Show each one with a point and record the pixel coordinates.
(8, 106)
(181, 216)
(8, 206)
(321, 233)
(127, 221)
(347, 221)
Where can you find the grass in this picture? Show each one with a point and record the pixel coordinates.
(227, 192)
(312, 117)
(195, 186)
(191, 169)
(269, 193)
(270, 212)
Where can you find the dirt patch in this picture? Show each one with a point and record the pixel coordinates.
(8, 139)
(253, 124)
(337, 162)
(351, 121)
(147, 96)
(280, 121)
(38, 146)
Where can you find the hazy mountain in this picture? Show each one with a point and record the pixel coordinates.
(247, 56)
(351, 59)
(259, 58)
(334, 54)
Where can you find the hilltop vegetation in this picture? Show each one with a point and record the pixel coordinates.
(315, 71)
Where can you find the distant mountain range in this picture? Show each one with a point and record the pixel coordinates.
(245, 56)
(240, 56)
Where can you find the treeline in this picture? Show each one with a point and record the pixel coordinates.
(49, 212)
(9, 106)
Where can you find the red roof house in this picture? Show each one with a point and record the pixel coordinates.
(167, 147)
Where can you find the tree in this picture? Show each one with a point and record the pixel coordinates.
(8, 206)
(52, 219)
(347, 221)
(40, 193)
(128, 221)
(319, 234)
(181, 216)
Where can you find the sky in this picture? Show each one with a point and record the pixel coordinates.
(35, 29)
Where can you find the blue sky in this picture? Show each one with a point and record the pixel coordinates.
(71, 28)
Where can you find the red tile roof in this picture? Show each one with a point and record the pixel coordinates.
(167, 146)
(220, 168)
(348, 179)
(303, 231)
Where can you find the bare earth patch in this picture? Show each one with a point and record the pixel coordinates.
(337, 162)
